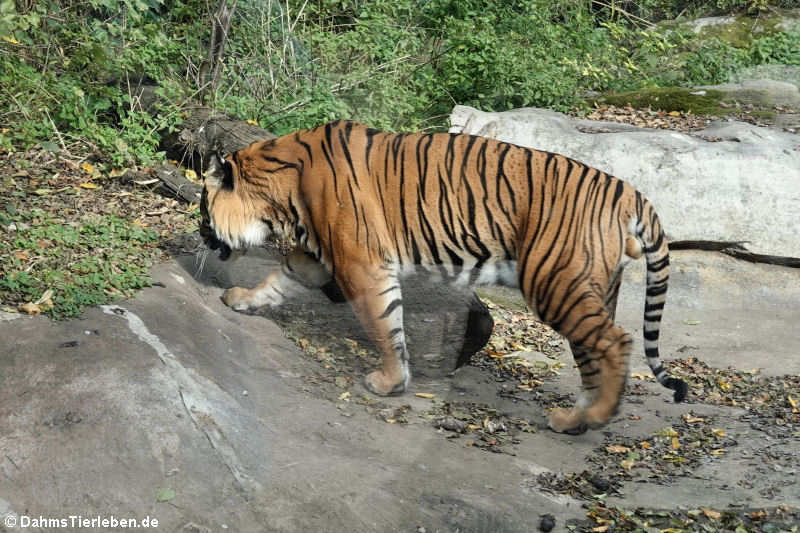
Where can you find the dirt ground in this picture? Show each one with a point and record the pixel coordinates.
(172, 406)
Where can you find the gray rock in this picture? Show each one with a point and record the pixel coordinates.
(744, 187)
(761, 92)
(785, 73)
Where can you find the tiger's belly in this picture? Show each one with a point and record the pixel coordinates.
(493, 273)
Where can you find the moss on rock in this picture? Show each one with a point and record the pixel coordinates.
(740, 30)
(700, 102)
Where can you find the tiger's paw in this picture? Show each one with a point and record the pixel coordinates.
(379, 383)
(598, 416)
(237, 298)
(569, 421)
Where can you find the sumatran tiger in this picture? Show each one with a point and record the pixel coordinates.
(364, 205)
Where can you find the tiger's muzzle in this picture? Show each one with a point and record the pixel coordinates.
(214, 243)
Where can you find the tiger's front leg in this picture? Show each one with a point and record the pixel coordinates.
(375, 296)
(298, 273)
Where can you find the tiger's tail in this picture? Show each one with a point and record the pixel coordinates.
(656, 251)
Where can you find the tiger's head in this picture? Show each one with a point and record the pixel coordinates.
(246, 198)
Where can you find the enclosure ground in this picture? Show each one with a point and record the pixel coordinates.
(172, 405)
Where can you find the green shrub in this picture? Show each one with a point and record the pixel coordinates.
(108, 261)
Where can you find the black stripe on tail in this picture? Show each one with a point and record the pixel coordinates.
(656, 252)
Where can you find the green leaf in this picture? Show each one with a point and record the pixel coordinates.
(50, 146)
(164, 495)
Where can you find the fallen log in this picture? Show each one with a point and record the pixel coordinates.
(735, 249)
(173, 180)
(205, 131)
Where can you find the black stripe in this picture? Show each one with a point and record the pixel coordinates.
(328, 157)
(455, 259)
(660, 264)
(306, 146)
(656, 245)
(654, 307)
(390, 289)
(651, 335)
(656, 290)
(343, 142)
(370, 133)
(391, 307)
(651, 352)
(617, 193)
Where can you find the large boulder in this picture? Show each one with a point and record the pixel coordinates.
(730, 181)
(760, 92)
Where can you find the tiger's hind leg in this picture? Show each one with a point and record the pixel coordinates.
(601, 350)
(376, 298)
(582, 357)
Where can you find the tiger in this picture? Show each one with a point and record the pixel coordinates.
(364, 206)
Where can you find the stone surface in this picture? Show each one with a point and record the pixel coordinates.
(172, 390)
(784, 73)
(745, 186)
(760, 93)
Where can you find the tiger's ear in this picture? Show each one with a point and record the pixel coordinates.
(219, 172)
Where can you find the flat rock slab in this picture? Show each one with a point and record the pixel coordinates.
(759, 92)
(172, 406)
(730, 181)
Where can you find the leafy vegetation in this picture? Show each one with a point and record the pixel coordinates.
(71, 71)
(71, 68)
(103, 261)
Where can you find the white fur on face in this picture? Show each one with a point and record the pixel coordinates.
(254, 234)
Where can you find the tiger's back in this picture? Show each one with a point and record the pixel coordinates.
(364, 203)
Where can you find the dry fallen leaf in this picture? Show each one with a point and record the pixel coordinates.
(46, 299)
(692, 419)
(675, 443)
(88, 168)
(616, 448)
(89, 186)
(713, 515)
(668, 432)
(30, 308)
